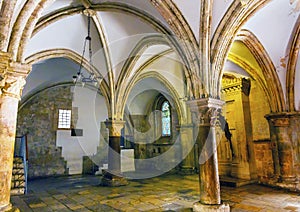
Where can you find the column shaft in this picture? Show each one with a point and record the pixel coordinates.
(114, 152)
(209, 175)
(113, 176)
(8, 119)
(12, 81)
(205, 113)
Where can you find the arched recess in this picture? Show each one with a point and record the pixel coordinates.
(254, 75)
(66, 53)
(152, 74)
(135, 55)
(272, 83)
(293, 48)
(233, 19)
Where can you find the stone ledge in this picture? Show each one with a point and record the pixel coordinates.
(199, 207)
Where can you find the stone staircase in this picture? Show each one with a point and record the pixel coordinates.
(18, 184)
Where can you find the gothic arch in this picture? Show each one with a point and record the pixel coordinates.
(293, 48)
(224, 35)
(151, 74)
(69, 54)
(134, 57)
(32, 10)
(272, 83)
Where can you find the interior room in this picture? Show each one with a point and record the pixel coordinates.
(149, 105)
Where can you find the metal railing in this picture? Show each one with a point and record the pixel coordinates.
(21, 151)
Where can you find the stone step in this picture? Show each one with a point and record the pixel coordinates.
(18, 177)
(18, 166)
(18, 160)
(17, 191)
(17, 171)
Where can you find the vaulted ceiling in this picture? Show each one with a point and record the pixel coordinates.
(148, 30)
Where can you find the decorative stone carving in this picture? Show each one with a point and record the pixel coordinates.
(12, 78)
(233, 85)
(12, 86)
(89, 12)
(115, 127)
(205, 111)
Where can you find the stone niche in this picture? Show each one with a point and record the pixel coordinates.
(37, 118)
(249, 156)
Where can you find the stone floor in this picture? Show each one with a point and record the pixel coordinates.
(165, 193)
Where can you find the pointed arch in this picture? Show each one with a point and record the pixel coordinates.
(293, 48)
(233, 19)
(272, 82)
(152, 74)
(24, 26)
(137, 53)
(69, 54)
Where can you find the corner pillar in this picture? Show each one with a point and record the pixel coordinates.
(285, 136)
(112, 177)
(204, 113)
(12, 81)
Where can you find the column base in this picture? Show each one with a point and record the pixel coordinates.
(187, 170)
(198, 206)
(112, 180)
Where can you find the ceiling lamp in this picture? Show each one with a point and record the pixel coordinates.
(92, 78)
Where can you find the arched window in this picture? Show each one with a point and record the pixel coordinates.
(166, 119)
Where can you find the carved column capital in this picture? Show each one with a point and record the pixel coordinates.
(205, 111)
(281, 119)
(115, 127)
(89, 12)
(12, 78)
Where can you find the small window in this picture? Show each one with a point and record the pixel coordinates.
(64, 119)
(166, 119)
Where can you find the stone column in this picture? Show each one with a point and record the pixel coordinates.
(12, 80)
(285, 136)
(113, 177)
(187, 143)
(204, 117)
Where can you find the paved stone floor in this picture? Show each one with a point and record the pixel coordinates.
(165, 193)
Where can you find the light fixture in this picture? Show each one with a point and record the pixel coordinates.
(92, 78)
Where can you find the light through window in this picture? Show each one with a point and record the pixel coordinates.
(64, 118)
(166, 119)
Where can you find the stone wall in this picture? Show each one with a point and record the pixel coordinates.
(147, 144)
(38, 119)
(264, 161)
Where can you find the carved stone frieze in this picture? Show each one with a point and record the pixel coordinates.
(205, 111)
(236, 85)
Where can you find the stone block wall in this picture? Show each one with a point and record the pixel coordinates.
(264, 160)
(38, 118)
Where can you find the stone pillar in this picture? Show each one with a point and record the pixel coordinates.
(113, 177)
(204, 117)
(187, 146)
(12, 80)
(285, 136)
